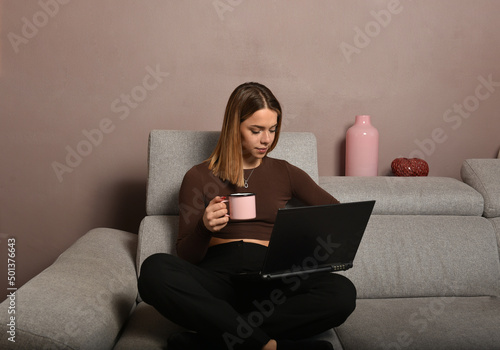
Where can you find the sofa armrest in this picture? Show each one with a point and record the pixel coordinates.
(484, 176)
(81, 301)
(496, 225)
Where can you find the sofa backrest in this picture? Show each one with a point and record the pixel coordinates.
(173, 152)
(408, 195)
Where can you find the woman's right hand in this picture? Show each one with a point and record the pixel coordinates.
(215, 217)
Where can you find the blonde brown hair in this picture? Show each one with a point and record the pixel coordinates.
(226, 161)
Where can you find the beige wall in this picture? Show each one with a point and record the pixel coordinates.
(95, 77)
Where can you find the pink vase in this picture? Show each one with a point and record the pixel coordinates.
(361, 148)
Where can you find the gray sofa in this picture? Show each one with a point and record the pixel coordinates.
(427, 271)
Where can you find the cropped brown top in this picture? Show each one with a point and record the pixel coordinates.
(274, 183)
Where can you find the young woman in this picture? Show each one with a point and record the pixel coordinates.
(196, 289)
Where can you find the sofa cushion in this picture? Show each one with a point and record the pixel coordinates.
(423, 323)
(484, 176)
(172, 153)
(417, 256)
(407, 195)
(146, 329)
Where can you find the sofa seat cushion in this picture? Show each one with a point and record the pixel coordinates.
(484, 176)
(147, 329)
(423, 323)
(407, 195)
(418, 256)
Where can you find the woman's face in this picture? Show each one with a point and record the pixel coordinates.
(257, 134)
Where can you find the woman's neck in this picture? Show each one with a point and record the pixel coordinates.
(252, 164)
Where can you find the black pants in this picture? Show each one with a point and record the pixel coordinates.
(245, 315)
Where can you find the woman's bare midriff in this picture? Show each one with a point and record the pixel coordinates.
(216, 241)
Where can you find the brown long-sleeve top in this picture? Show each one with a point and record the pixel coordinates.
(274, 183)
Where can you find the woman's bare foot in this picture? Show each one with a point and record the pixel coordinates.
(271, 345)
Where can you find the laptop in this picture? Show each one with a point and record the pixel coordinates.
(313, 239)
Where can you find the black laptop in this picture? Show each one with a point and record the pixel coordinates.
(314, 239)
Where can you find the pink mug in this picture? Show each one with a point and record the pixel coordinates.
(241, 206)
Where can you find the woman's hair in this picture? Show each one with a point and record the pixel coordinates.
(226, 161)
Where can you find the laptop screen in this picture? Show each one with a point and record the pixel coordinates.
(308, 238)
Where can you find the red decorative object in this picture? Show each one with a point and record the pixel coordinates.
(410, 167)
